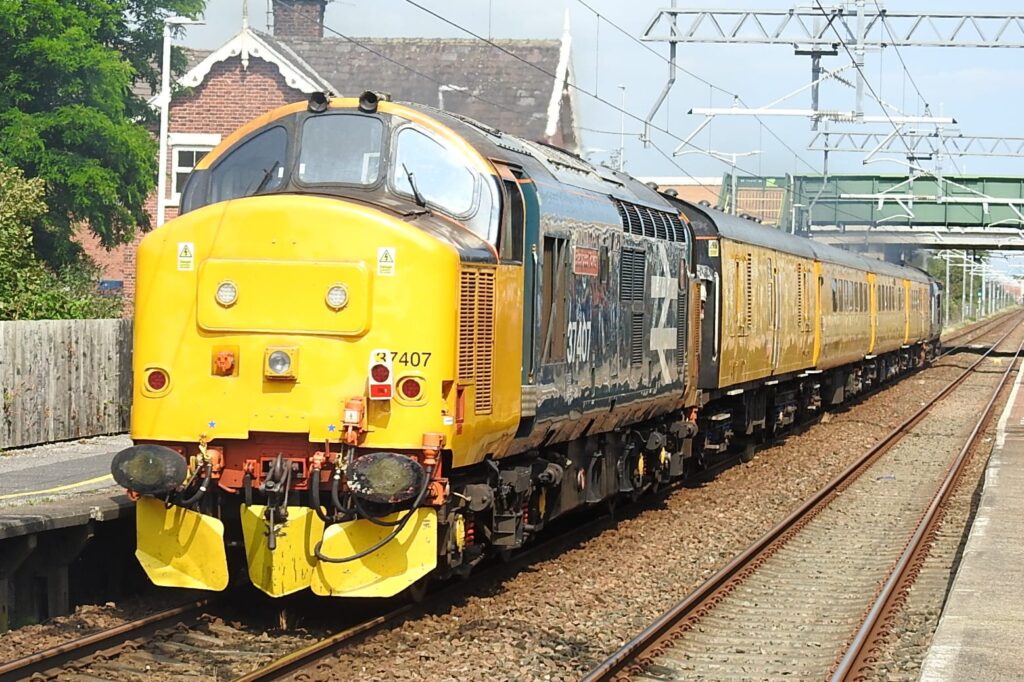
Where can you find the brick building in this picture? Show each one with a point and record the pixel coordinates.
(255, 72)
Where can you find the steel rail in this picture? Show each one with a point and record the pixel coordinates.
(854, 661)
(55, 657)
(309, 655)
(965, 338)
(662, 626)
(981, 328)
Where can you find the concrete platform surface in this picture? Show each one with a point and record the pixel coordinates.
(981, 632)
(57, 471)
(74, 510)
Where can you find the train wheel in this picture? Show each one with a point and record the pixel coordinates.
(747, 453)
(418, 590)
(612, 507)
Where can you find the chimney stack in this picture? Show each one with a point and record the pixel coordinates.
(299, 18)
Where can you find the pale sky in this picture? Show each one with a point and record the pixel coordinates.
(983, 89)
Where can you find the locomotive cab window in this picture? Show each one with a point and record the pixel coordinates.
(440, 175)
(254, 166)
(341, 149)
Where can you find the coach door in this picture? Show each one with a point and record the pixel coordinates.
(775, 305)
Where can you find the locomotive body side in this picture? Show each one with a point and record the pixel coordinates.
(363, 377)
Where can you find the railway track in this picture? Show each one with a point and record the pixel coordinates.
(106, 646)
(307, 658)
(962, 337)
(812, 597)
(46, 664)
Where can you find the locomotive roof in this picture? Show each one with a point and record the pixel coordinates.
(573, 170)
(566, 167)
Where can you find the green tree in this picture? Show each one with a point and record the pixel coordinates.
(961, 288)
(68, 114)
(28, 288)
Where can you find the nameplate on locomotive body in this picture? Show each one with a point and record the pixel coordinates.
(585, 262)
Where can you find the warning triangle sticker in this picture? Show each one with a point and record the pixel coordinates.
(386, 257)
(185, 252)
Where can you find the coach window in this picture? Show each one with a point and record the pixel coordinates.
(341, 149)
(252, 167)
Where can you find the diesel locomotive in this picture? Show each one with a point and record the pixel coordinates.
(384, 341)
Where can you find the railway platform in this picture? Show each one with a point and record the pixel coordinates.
(981, 630)
(58, 506)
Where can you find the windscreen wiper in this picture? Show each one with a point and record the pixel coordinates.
(420, 201)
(267, 175)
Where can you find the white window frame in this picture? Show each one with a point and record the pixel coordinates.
(185, 142)
(175, 197)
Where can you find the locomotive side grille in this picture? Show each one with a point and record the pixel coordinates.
(632, 274)
(681, 329)
(670, 230)
(636, 225)
(636, 339)
(660, 224)
(647, 218)
(648, 222)
(476, 333)
(677, 233)
(695, 324)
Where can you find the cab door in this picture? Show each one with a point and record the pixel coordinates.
(518, 244)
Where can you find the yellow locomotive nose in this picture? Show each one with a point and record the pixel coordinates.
(290, 308)
(271, 326)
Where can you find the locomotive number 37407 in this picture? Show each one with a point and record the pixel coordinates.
(578, 340)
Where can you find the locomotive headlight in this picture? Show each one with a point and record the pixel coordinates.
(337, 297)
(279, 362)
(227, 293)
(385, 477)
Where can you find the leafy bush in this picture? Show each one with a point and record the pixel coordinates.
(29, 289)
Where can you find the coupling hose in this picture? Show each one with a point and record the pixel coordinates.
(399, 526)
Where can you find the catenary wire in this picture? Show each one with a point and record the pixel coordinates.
(501, 48)
(592, 95)
(713, 86)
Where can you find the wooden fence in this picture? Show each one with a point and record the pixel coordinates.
(64, 379)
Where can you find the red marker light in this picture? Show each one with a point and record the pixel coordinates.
(410, 389)
(157, 380)
(380, 390)
(380, 373)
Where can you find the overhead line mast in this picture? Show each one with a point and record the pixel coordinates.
(812, 32)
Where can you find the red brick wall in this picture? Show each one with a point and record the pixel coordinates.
(300, 18)
(226, 99)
